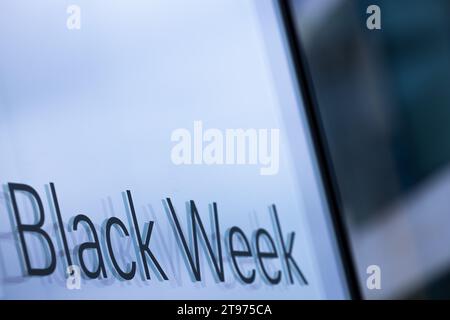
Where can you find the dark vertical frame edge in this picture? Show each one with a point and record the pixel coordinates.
(304, 82)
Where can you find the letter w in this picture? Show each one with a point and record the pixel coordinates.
(197, 223)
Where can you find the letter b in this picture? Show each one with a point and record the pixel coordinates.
(32, 228)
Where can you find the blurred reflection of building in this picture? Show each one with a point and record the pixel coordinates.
(384, 104)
